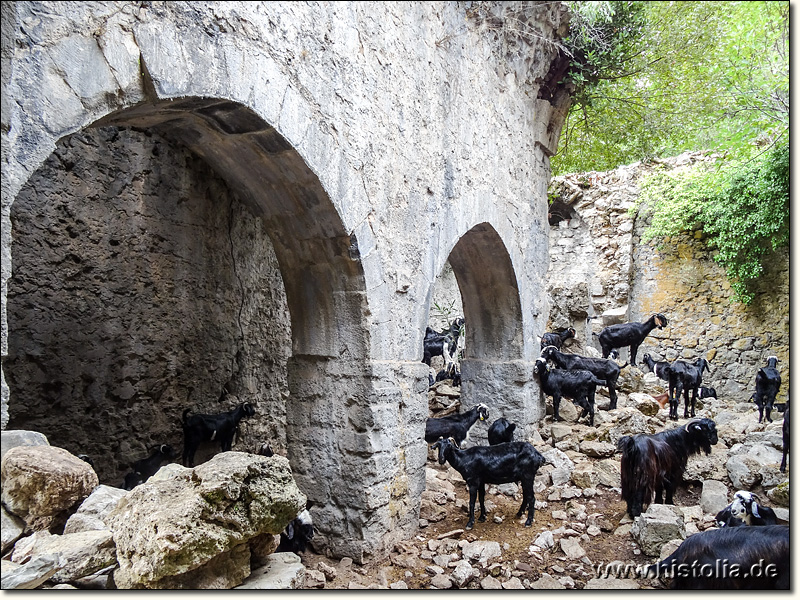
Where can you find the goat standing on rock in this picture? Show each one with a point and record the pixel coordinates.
(557, 338)
(629, 334)
(502, 463)
(206, 428)
(652, 464)
(768, 382)
(579, 385)
(602, 368)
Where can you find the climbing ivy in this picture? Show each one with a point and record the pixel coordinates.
(742, 206)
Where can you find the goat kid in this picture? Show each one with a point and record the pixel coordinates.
(211, 427)
(579, 385)
(629, 334)
(501, 431)
(768, 382)
(298, 534)
(660, 368)
(653, 465)
(684, 378)
(455, 426)
(745, 510)
(503, 463)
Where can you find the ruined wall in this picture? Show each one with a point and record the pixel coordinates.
(628, 280)
(141, 287)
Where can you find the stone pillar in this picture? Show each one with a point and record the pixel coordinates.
(355, 438)
(508, 388)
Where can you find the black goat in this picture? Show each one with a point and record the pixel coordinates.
(143, 469)
(786, 436)
(602, 368)
(660, 368)
(455, 426)
(706, 392)
(685, 378)
(557, 338)
(629, 334)
(652, 464)
(204, 428)
(745, 510)
(768, 382)
(503, 463)
(87, 459)
(449, 372)
(441, 344)
(730, 558)
(501, 431)
(579, 385)
(298, 534)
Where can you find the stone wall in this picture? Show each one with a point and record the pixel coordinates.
(601, 268)
(141, 287)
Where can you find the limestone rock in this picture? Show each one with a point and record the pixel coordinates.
(658, 525)
(780, 494)
(92, 512)
(11, 529)
(571, 547)
(744, 471)
(441, 582)
(482, 551)
(42, 483)
(644, 403)
(261, 547)
(608, 472)
(490, 583)
(463, 573)
(32, 574)
(701, 466)
(283, 571)
(166, 528)
(597, 449)
(714, 496)
(669, 548)
(559, 432)
(611, 583)
(83, 553)
(11, 438)
(583, 476)
(547, 582)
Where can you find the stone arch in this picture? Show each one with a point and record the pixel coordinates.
(494, 369)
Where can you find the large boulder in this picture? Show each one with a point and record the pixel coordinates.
(704, 466)
(714, 496)
(12, 438)
(175, 533)
(43, 484)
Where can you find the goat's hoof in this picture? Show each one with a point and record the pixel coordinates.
(528, 523)
(481, 519)
(469, 526)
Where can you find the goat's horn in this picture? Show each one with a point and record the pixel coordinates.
(692, 422)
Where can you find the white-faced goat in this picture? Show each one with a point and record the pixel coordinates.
(730, 558)
(685, 378)
(557, 338)
(455, 426)
(602, 368)
(654, 464)
(576, 384)
(768, 382)
(298, 534)
(501, 431)
(219, 427)
(143, 469)
(660, 367)
(441, 344)
(503, 463)
(629, 334)
(745, 510)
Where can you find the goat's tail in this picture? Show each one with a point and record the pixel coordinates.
(185, 412)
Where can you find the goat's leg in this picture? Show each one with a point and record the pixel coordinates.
(634, 350)
(481, 495)
(473, 492)
(694, 400)
(768, 410)
(556, 402)
(527, 491)
(612, 393)
(686, 403)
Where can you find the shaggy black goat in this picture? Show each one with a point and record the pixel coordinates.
(731, 558)
(143, 469)
(455, 426)
(441, 344)
(557, 338)
(501, 431)
(206, 428)
(629, 334)
(768, 382)
(576, 384)
(745, 510)
(602, 368)
(652, 464)
(503, 463)
(685, 378)
(786, 436)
